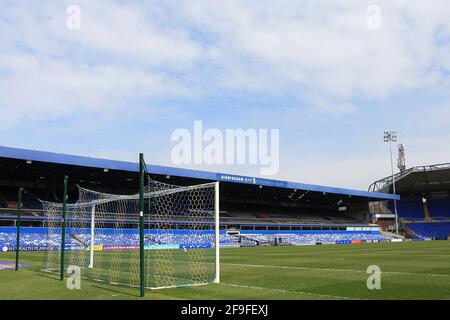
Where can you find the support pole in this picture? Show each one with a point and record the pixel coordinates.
(393, 188)
(91, 258)
(141, 225)
(19, 208)
(217, 232)
(63, 228)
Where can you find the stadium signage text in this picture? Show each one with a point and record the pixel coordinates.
(251, 180)
(6, 265)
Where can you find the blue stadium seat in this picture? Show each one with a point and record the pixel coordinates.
(439, 208)
(38, 238)
(431, 230)
(408, 209)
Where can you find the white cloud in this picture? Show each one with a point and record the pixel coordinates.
(48, 71)
(321, 52)
(126, 33)
(357, 171)
(319, 55)
(326, 46)
(37, 89)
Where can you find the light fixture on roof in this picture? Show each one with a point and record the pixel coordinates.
(105, 170)
(167, 177)
(401, 161)
(29, 162)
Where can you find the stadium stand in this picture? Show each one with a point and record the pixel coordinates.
(38, 239)
(252, 204)
(408, 209)
(424, 208)
(317, 238)
(413, 209)
(260, 214)
(439, 208)
(434, 230)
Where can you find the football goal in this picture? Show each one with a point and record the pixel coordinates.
(165, 236)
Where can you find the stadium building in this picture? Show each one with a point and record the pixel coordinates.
(253, 210)
(424, 208)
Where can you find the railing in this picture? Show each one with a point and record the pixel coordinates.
(392, 235)
(424, 221)
(383, 184)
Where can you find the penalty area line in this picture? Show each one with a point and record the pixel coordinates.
(328, 269)
(290, 291)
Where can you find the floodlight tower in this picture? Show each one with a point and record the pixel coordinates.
(391, 136)
(401, 158)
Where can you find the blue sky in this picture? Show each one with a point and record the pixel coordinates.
(136, 71)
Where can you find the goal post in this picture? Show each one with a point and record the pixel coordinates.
(162, 237)
(141, 225)
(63, 229)
(182, 237)
(92, 242)
(18, 223)
(217, 231)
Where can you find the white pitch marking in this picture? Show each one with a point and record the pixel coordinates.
(324, 269)
(289, 291)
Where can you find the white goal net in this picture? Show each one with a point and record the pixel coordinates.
(181, 236)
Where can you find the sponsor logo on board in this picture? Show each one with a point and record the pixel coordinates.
(7, 265)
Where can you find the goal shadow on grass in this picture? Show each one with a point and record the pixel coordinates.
(116, 289)
(49, 276)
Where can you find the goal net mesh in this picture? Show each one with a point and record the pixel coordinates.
(102, 236)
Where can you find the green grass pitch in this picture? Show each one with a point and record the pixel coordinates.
(414, 270)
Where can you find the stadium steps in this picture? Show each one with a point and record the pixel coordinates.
(384, 208)
(249, 239)
(412, 233)
(77, 239)
(392, 235)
